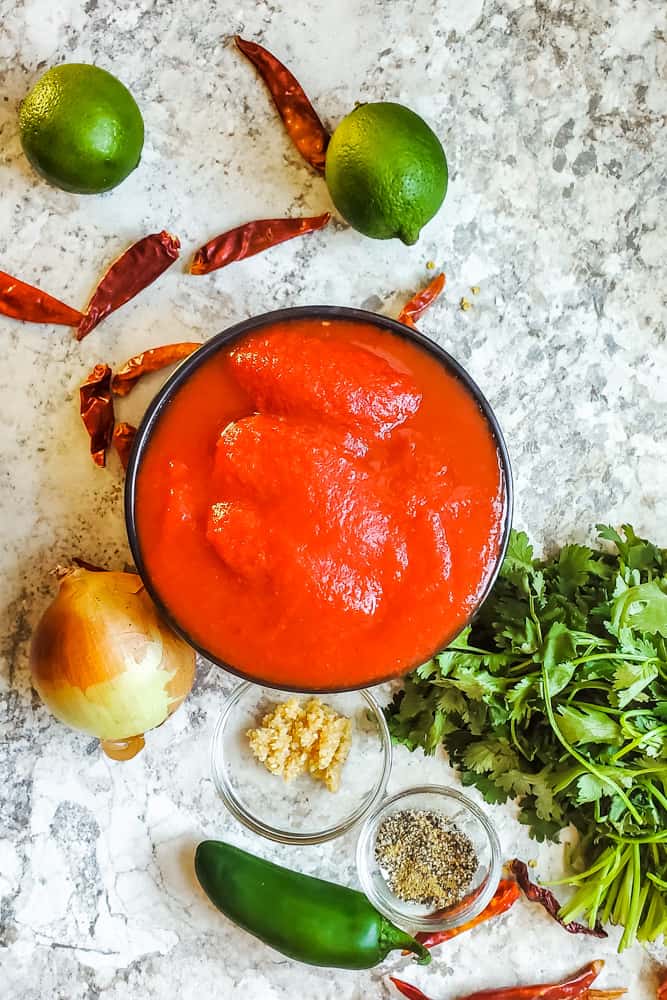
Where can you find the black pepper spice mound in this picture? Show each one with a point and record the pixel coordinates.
(425, 858)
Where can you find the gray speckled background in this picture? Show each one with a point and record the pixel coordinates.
(553, 117)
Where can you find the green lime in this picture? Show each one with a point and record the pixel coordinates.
(386, 171)
(81, 128)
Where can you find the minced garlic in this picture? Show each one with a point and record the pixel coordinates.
(303, 736)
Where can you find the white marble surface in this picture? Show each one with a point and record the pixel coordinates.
(553, 117)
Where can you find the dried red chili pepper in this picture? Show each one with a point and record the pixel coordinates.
(413, 309)
(96, 404)
(252, 238)
(22, 301)
(545, 897)
(408, 990)
(303, 125)
(133, 271)
(151, 360)
(568, 989)
(662, 988)
(504, 897)
(603, 994)
(574, 988)
(122, 440)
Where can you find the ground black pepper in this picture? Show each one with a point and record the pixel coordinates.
(425, 858)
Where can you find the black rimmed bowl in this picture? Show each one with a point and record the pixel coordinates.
(237, 332)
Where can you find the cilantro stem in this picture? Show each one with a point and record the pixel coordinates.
(467, 649)
(661, 884)
(613, 657)
(592, 640)
(590, 704)
(637, 742)
(637, 898)
(621, 858)
(530, 662)
(656, 838)
(612, 894)
(536, 620)
(633, 712)
(620, 913)
(609, 854)
(588, 898)
(649, 770)
(577, 756)
(657, 794)
(516, 741)
(655, 920)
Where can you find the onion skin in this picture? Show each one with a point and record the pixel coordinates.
(104, 662)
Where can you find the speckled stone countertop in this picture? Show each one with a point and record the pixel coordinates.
(553, 117)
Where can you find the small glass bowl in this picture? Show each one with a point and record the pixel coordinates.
(470, 820)
(301, 811)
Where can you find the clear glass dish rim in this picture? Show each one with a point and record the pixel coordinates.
(279, 834)
(429, 923)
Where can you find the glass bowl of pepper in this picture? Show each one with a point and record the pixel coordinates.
(429, 858)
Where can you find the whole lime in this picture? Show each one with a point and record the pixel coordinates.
(81, 128)
(386, 171)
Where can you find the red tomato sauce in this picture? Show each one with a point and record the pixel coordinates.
(321, 504)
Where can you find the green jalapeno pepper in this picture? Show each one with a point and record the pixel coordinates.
(305, 918)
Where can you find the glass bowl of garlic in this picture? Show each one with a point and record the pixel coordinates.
(298, 769)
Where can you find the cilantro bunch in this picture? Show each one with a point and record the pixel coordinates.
(557, 697)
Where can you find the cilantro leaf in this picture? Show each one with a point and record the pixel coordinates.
(489, 755)
(477, 684)
(540, 829)
(519, 555)
(521, 695)
(574, 566)
(642, 607)
(515, 782)
(590, 788)
(491, 792)
(630, 680)
(587, 725)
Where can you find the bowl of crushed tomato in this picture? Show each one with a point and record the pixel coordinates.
(319, 499)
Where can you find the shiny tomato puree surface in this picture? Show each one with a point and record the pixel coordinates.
(321, 504)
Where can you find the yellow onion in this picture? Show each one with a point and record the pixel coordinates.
(104, 662)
